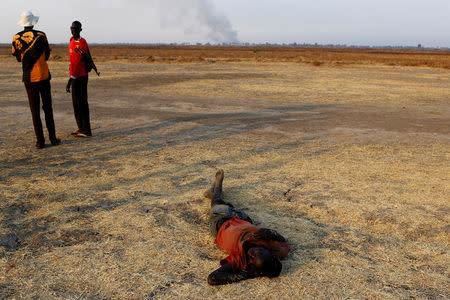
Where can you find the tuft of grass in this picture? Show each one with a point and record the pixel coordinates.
(317, 63)
(325, 156)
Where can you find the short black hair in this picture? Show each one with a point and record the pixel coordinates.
(76, 24)
(272, 267)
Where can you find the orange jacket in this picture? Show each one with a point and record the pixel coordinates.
(31, 48)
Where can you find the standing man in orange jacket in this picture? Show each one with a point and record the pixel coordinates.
(30, 47)
(78, 80)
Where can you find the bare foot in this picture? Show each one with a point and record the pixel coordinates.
(219, 177)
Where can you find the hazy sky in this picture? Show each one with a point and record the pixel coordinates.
(352, 22)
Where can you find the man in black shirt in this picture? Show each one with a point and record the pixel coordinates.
(30, 47)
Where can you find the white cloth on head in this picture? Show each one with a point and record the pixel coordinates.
(28, 19)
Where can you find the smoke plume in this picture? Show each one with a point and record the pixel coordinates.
(197, 17)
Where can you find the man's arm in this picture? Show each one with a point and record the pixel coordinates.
(225, 275)
(91, 61)
(268, 235)
(18, 57)
(47, 48)
(14, 51)
(69, 84)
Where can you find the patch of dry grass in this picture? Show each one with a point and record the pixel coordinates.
(328, 157)
(314, 56)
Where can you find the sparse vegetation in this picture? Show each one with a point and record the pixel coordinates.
(351, 164)
(328, 56)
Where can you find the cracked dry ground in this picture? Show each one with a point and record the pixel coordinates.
(351, 164)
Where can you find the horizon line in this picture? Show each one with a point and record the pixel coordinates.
(248, 44)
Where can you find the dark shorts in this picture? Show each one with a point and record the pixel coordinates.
(222, 212)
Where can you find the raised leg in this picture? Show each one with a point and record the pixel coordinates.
(215, 191)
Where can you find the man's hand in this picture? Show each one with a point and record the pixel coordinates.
(268, 235)
(225, 275)
(69, 83)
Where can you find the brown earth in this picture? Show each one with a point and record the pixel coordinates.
(348, 158)
(303, 55)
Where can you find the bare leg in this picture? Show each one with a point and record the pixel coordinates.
(215, 191)
(217, 196)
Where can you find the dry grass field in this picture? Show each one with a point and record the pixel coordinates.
(303, 55)
(345, 152)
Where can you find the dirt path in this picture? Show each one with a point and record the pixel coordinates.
(351, 164)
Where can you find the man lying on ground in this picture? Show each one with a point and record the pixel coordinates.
(253, 252)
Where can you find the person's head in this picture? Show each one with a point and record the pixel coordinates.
(75, 28)
(261, 262)
(28, 20)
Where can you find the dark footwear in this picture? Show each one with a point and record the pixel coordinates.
(40, 145)
(56, 142)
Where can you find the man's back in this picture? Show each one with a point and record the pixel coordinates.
(31, 48)
(234, 233)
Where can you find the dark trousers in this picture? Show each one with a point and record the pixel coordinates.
(80, 104)
(37, 91)
(222, 211)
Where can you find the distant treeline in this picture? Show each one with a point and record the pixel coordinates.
(267, 44)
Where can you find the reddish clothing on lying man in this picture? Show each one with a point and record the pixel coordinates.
(232, 236)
